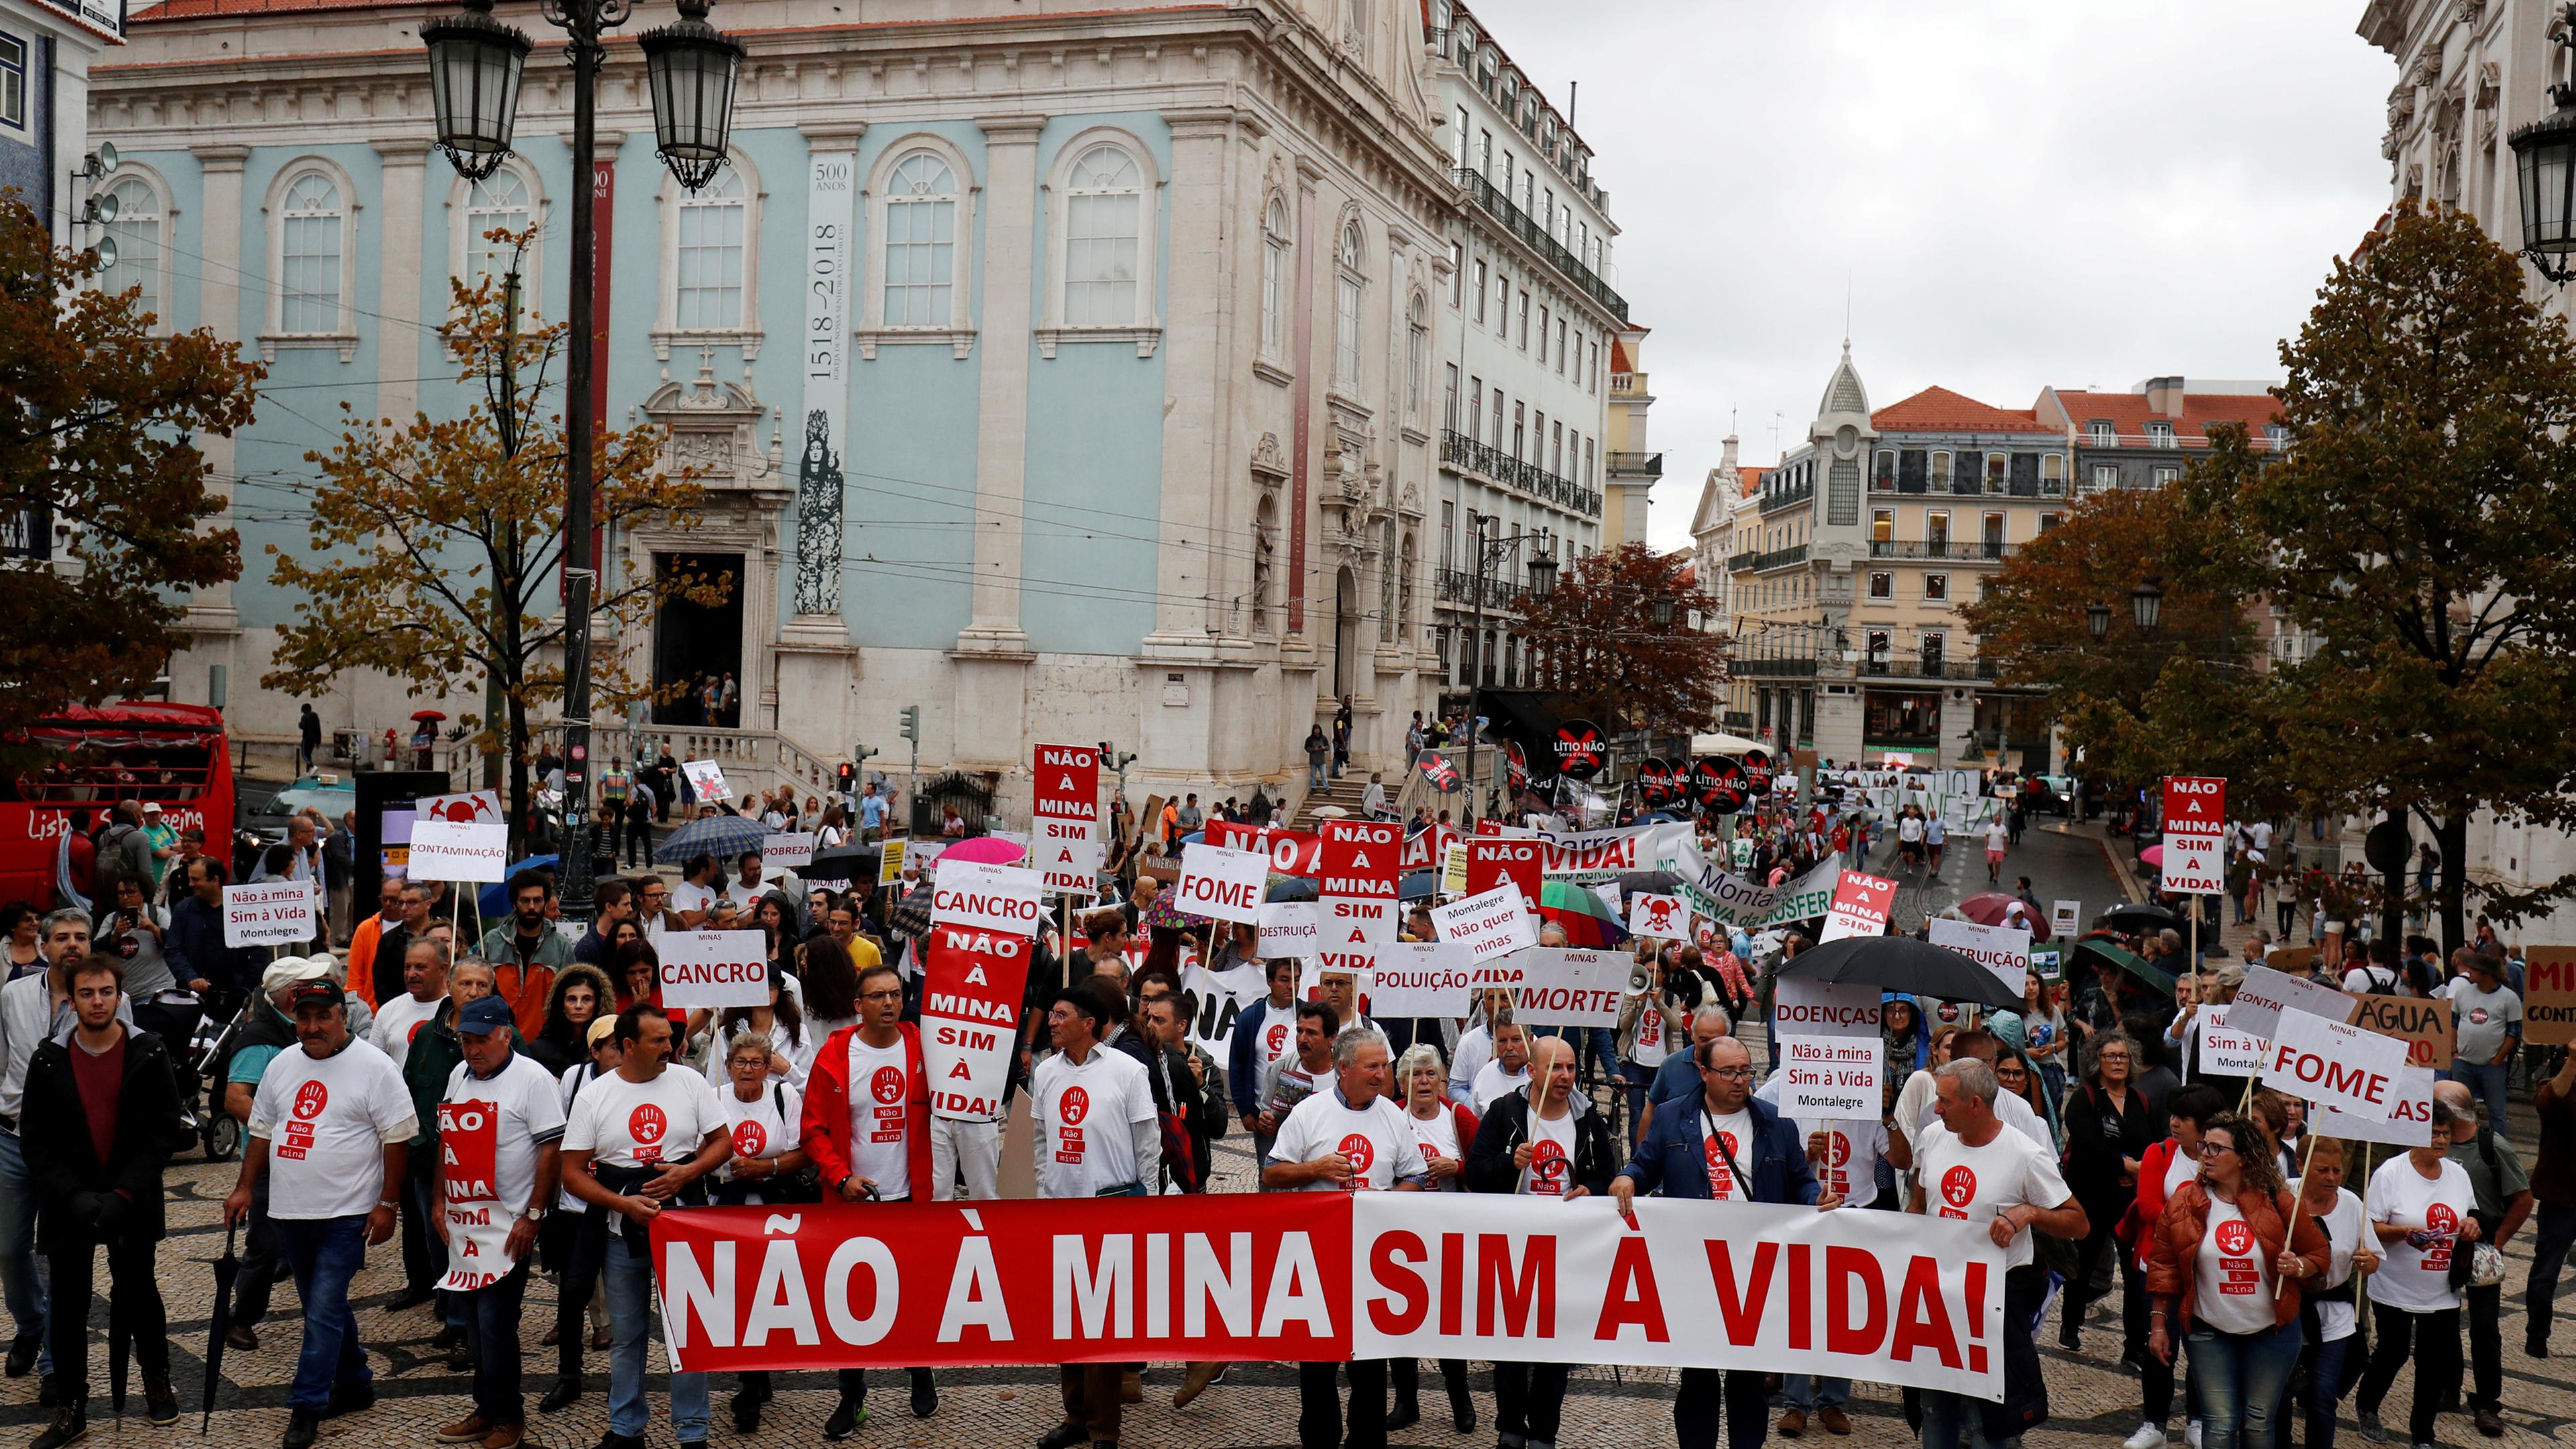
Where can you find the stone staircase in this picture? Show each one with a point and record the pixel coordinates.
(1345, 792)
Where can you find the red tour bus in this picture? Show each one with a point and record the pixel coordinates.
(170, 754)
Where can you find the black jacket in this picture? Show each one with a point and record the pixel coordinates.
(2098, 1135)
(1506, 1126)
(77, 1196)
(1202, 1111)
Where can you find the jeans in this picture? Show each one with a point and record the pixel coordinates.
(2555, 1229)
(324, 1254)
(2331, 1367)
(2485, 1308)
(20, 1284)
(2243, 1379)
(1638, 1078)
(2437, 1363)
(1951, 1421)
(630, 1299)
(1529, 1399)
(1319, 1405)
(2487, 1079)
(1315, 772)
(134, 1300)
(1702, 1395)
(492, 1341)
(1803, 1390)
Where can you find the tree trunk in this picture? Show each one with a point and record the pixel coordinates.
(516, 741)
(2453, 842)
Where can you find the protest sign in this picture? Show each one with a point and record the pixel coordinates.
(1830, 1076)
(922, 852)
(972, 983)
(2549, 995)
(788, 850)
(2266, 993)
(269, 913)
(1569, 986)
(1661, 917)
(1326, 1277)
(1069, 867)
(1291, 852)
(1824, 1008)
(2003, 950)
(1453, 869)
(2065, 919)
(714, 969)
(445, 850)
(1488, 925)
(2292, 961)
(986, 897)
(2049, 962)
(1213, 999)
(1492, 860)
(1342, 920)
(1597, 856)
(2347, 1068)
(2423, 1023)
(1401, 978)
(1860, 906)
(2227, 1049)
(1424, 849)
(2410, 1115)
(1356, 893)
(706, 778)
(1221, 884)
(2195, 835)
(1064, 792)
(890, 858)
(1285, 928)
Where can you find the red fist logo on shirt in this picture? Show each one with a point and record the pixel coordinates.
(1959, 1185)
(1073, 1106)
(310, 1099)
(886, 1085)
(1275, 1039)
(1547, 1168)
(2235, 1239)
(646, 1124)
(749, 1139)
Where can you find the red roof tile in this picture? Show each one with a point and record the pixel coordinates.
(1939, 410)
(2128, 413)
(1752, 480)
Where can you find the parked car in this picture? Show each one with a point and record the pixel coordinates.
(333, 795)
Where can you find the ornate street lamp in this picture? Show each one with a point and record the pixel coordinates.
(2147, 606)
(475, 63)
(2545, 157)
(1661, 611)
(1542, 572)
(2097, 618)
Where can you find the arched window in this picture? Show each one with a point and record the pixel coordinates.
(1274, 279)
(1346, 308)
(137, 230)
(708, 260)
(1417, 348)
(920, 242)
(311, 235)
(1103, 214)
(501, 201)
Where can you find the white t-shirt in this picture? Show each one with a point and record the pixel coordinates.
(2363, 980)
(1920, 1103)
(2417, 1279)
(567, 1091)
(1381, 1148)
(1492, 1082)
(2180, 1168)
(2344, 1228)
(1084, 1116)
(689, 896)
(880, 1145)
(1737, 1129)
(765, 1126)
(1278, 1033)
(1852, 1150)
(1475, 1048)
(636, 1124)
(1910, 829)
(1653, 1041)
(326, 1123)
(1437, 1136)
(2261, 833)
(397, 1019)
(1551, 1166)
(1998, 837)
(1971, 1184)
(490, 1134)
(2233, 1289)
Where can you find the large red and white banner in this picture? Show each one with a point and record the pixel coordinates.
(1291, 852)
(970, 1011)
(1323, 1277)
(1425, 849)
(1357, 890)
(2195, 835)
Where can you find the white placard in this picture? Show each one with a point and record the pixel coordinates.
(2195, 864)
(1214, 999)
(1663, 917)
(478, 1245)
(268, 913)
(1570, 986)
(1222, 884)
(2410, 1119)
(1285, 928)
(571, 930)
(1824, 1008)
(988, 897)
(706, 777)
(445, 850)
(921, 853)
(1401, 979)
(2333, 1065)
(2227, 1049)
(1069, 864)
(1489, 925)
(1831, 1076)
(788, 850)
(2002, 950)
(1019, 838)
(2065, 918)
(1350, 920)
(713, 969)
(2266, 993)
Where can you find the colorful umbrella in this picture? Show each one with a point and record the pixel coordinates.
(990, 849)
(1993, 908)
(1587, 919)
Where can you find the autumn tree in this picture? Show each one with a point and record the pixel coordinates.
(436, 543)
(1596, 641)
(96, 420)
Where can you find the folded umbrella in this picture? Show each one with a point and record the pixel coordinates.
(2139, 917)
(847, 863)
(1901, 963)
(227, 1268)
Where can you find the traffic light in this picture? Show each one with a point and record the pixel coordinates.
(911, 725)
(849, 774)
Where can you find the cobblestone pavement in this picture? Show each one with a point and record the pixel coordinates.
(2092, 1402)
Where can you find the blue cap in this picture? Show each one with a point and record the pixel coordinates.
(483, 1015)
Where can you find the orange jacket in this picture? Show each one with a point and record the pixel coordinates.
(362, 958)
(2172, 1270)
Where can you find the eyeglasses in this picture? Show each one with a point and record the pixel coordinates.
(2213, 1149)
(1732, 1074)
(896, 995)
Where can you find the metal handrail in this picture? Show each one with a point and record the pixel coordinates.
(1460, 450)
(1505, 211)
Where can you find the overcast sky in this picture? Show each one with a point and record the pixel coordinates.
(2018, 193)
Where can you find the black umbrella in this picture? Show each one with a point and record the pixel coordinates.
(120, 1352)
(1289, 888)
(848, 863)
(1647, 883)
(227, 1268)
(1901, 963)
(2140, 917)
(1419, 885)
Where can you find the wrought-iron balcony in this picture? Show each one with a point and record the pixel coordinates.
(1461, 451)
(1960, 550)
(1511, 218)
(1778, 558)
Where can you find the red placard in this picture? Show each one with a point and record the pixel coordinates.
(1065, 787)
(970, 1011)
(2195, 804)
(469, 1135)
(1361, 857)
(1291, 852)
(1860, 906)
(1492, 861)
(1425, 849)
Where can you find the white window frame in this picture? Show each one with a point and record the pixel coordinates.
(462, 240)
(163, 215)
(1417, 353)
(1143, 325)
(2103, 433)
(1350, 303)
(1882, 584)
(959, 332)
(2052, 475)
(1936, 588)
(1277, 279)
(342, 336)
(2106, 477)
(16, 67)
(667, 332)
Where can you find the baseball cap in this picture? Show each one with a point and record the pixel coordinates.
(600, 1031)
(151, 807)
(282, 973)
(483, 1015)
(318, 989)
(2230, 974)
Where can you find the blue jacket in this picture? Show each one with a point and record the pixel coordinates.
(1670, 1160)
(1243, 1056)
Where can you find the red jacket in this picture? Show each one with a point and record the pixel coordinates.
(2149, 1209)
(826, 1127)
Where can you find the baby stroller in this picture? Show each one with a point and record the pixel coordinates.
(203, 1069)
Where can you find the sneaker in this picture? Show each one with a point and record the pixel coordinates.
(468, 1430)
(614, 1440)
(2191, 1433)
(925, 1393)
(71, 1425)
(2371, 1428)
(1834, 1419)
(846, 1418)
(506, 1436)
(560, 1397)
(1793, 1422)
(746, 1412)
(303, 1426)
(2149, 1436)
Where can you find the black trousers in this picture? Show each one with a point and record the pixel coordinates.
(2078, 1295)
(1704, 1393)
(585, 1250)
(424, 1258)
(134, 1300)
(2433, 1340)
(1319, 1405)
(1528, 1400)
(1406, 1375)
(492, 1341)
(2485, 1310)
(259, 1261)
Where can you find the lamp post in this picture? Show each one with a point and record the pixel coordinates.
(475, 63)
(2097, 621)
(1490, 554)
(2545, 164)
(2147, 607)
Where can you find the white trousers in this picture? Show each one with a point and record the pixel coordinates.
(975, 1148)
